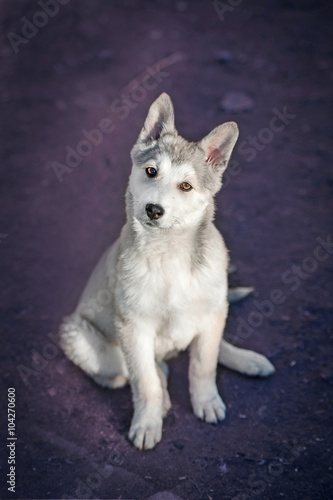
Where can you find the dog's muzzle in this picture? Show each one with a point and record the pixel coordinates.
(154, 211)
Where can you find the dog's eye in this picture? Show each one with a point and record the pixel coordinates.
(185, 186)
(151, 171)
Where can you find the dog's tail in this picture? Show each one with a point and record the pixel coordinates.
(244, 361)
(239, 293)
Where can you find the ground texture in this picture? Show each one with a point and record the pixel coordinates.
(274, 211)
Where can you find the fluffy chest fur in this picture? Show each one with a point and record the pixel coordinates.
(166, 281)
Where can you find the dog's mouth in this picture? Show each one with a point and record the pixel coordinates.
(164, 224)
(152, 223)
(156, 223)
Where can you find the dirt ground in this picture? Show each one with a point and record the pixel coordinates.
(85, 64)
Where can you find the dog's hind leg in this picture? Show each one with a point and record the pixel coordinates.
(244, 361)
(89, 349)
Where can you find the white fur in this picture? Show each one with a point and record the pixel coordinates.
(162, 286)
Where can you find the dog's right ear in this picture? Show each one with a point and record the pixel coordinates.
(160, 119)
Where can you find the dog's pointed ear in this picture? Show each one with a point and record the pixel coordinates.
(160, 119)
(218, 145)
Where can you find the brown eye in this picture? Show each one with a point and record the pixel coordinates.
(151, 171)
(185, 186)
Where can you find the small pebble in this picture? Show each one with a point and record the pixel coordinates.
(223, 468)
(181, 6)
(179, 445)
(223, 56)
(236, 102)
(262, 410)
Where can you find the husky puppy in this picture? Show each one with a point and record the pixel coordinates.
(162, 286)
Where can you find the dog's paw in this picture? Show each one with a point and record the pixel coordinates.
(146, 432)
(257, 365)
(117, 382)
(211, 411)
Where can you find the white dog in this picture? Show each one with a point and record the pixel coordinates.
(162, 286)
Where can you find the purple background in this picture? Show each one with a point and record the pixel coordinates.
(275, 442)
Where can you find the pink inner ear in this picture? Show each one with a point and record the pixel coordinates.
(157, 130)
(213, 156)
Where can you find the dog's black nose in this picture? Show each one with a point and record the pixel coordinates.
(154, 211)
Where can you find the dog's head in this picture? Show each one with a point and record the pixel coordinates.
(173, 181)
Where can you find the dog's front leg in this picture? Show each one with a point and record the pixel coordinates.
(137, 343)
(206, 402)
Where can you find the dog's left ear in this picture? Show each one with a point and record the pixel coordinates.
(160, 119)
(218, 145)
